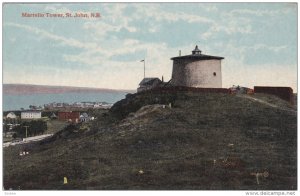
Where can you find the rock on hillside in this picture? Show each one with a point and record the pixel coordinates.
(204, 141)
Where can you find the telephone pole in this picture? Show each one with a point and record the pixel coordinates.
(26, 130)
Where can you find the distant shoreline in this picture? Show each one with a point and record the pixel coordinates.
(23, 89)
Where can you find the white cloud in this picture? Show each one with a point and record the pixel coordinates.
(238, 73)
(229, 27)
(156, 52)
(256, 12)
(12, 39)
(97, 51)
(115, 16)
(113, 20)
(95, 55)
(98, 77)
(92, 55)
(131, 42)
(57, 8)
(158, 63)
(87, 57)
(66, 41)
(156, 13)
(100, 28)
(264, 46)
(208, 7)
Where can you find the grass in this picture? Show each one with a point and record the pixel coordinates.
(204, 142)
(7, 139)
(55, 125)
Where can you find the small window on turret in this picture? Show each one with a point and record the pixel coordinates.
(215, 74)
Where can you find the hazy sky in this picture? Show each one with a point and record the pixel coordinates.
(258, 41)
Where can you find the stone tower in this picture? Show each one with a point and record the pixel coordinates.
(197, 70)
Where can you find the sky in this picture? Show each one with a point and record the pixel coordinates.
(258, 41)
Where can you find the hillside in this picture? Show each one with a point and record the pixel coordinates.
(205, 141)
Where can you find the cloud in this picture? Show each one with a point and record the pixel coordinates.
(209, 7)
(57, 8)
(154, 51)
(102, 29)
(155, 12)
(92, 54)
(43, 33)
(229, 25)
(113, 20)
(123, 30)
(237, 70)
(267, 75)
(97, 77)
(228, 29)
(266, 47)
(116, 17)
(257, 12)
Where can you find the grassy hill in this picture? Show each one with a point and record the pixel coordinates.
(205, 141)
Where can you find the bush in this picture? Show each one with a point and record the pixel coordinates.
(14, 135)
(35, 127)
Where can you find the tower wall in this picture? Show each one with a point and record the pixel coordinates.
(197, 73)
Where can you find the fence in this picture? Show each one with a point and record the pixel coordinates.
(285, 93)
(174, 89)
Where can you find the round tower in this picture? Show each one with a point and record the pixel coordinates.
(197, 70)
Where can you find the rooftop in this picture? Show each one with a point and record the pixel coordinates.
(196, 54)
(148, 81)
(32, 111)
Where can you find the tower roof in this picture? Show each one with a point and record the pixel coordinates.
(196, 51)
(196, 54)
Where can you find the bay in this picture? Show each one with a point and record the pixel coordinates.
(15, 102)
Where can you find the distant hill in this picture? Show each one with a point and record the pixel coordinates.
(20, 89)
(204, 141)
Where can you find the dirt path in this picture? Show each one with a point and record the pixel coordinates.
(266, 103)
(27, 140)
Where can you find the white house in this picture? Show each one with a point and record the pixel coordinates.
(11, 115)
(31, 114)
(148, 83)
(84, 117)
(97, 105)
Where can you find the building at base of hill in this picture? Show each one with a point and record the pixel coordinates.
(70, 116)
(31, 114)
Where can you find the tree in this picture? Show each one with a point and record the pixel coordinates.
(34, 127)
(14, 135)
(5, 129)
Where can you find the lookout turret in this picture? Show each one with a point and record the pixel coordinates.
(196, 51)
(197, 70)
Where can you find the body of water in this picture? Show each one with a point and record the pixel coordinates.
(15, 102)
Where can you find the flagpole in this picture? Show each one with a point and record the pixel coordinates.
(144, 67)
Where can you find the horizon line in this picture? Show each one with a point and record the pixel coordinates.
(47, 85)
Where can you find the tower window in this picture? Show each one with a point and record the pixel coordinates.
(215, 74)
